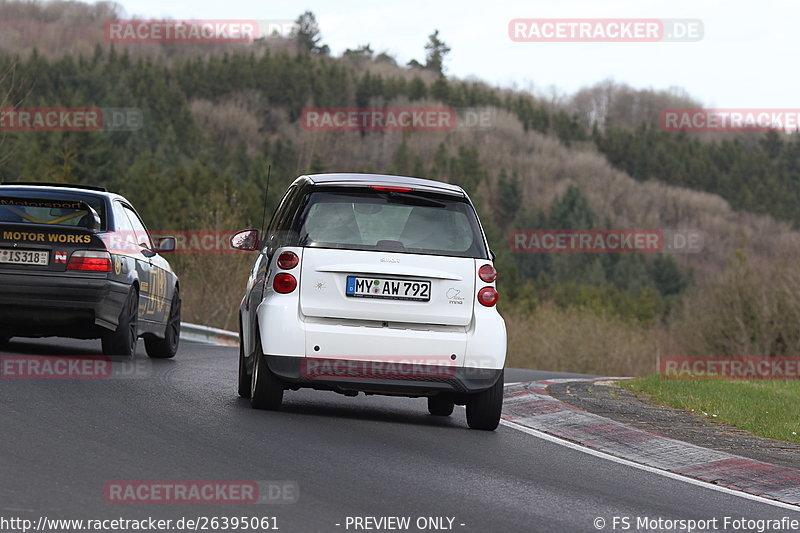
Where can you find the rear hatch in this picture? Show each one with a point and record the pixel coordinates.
(389, 287)
(31, 248)
(390, 254)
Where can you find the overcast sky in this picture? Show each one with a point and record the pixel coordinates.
(748, 56)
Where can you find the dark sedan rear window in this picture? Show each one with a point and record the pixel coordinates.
(49, 208)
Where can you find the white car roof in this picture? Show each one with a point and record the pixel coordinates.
(384, 179)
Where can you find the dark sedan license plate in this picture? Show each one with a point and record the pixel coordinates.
(24, 257)
(391, 289)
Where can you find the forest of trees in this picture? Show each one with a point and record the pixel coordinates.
(174, 169)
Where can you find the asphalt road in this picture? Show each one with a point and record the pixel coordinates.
(63, 440)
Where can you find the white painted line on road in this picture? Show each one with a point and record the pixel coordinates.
(650, 469)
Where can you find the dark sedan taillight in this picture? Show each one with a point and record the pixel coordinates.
(90, 261)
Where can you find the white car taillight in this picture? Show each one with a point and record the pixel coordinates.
(288, 260)
(284, 283)
(488, 296)
(88, 260)
(487, 273)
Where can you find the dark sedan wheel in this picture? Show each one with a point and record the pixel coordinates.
(166, 348)
(123, 341)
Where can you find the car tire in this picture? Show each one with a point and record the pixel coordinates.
(123, 340)
(266, 390)
(167, 347)
(440, 405)
(244, 378)
(484, 408)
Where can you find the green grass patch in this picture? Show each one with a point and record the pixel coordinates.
(765, 408)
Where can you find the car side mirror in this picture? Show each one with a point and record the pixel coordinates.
(160, 245)
(165, 244)
(246, 240)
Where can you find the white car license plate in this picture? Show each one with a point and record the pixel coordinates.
(24, 257)
(392, 289)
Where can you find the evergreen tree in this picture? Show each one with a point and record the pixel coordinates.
(317, 164)
(572, 211)
(436, 52)
(307, 34)
(402, 160)
(508, 198)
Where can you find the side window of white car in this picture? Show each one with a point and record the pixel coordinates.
(279, 231)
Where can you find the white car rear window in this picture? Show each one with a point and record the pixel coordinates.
(387, 222)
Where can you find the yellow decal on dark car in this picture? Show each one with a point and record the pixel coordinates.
(50, 237)
(23, 236)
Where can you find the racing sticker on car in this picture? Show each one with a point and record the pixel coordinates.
(453, 296)
(46, 237)
(63, 237)
(23, 236)
(52, 204)
(158, 292)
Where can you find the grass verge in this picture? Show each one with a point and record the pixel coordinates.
(578, 340)
(765, 408)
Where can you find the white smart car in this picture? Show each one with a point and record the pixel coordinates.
(375, 284)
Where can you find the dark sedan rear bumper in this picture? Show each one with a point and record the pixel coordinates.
(40, 305)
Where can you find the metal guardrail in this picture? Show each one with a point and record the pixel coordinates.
(207, 335)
